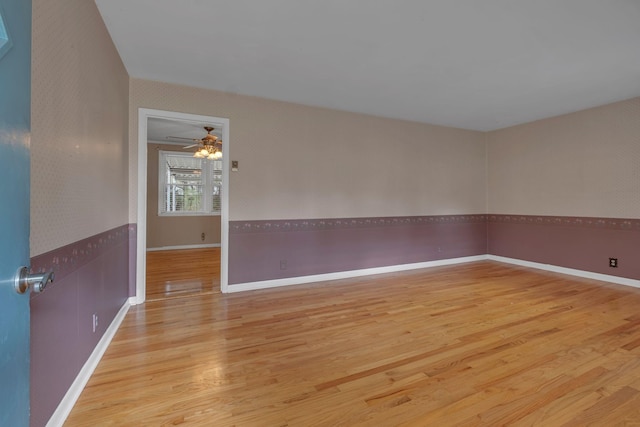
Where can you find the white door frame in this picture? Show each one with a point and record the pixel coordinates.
(141, 242)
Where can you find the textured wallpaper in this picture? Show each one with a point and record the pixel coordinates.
(79, 126)
(581, 164)
(304, 162)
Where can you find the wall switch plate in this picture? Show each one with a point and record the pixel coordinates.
(613, 262)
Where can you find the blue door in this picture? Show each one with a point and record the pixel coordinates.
(15, 108)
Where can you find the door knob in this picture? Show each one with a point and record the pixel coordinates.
(36, 281)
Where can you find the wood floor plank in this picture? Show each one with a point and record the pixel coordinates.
(182, 272)
(482, 343)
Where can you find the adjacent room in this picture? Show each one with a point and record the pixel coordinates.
(184, 201)
(328, 213)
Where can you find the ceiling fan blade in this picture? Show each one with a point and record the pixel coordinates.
(179, 137)
(190, 146)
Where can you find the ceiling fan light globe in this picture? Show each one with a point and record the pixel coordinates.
(217, 155)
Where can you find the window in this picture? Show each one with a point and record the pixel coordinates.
(5, 42)
(189, 186)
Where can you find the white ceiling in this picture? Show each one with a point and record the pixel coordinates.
(471, 64)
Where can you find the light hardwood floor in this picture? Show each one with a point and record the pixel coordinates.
(474, 344)
(178, 273)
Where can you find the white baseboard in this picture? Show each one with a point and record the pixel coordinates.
(66, 404)
(570, 271)
(170, 248)
(135, 301)
(264, 284)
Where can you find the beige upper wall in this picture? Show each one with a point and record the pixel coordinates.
(581, 164)
(79, 126)
(305, 162)
(585, 163)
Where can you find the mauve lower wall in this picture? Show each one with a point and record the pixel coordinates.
(91, 276)
(582, 243)
(258, 248)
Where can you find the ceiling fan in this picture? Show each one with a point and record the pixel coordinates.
(209, 147)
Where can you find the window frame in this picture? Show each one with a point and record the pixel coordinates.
(206, 180)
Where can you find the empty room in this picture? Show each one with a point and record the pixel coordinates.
(281, 213)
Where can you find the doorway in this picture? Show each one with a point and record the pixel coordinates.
(190, 120)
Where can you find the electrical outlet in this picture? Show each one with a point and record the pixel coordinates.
(95, 321)
(613, 262)
(283, 264)
(202, 236)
